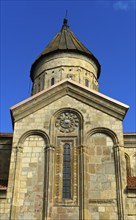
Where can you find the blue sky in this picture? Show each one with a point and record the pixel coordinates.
(106, 28)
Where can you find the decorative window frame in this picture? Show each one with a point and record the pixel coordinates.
(58, 138)
(66, 186)
(59, 200)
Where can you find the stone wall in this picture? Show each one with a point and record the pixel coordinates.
(130, 191)
(102, 181)
(62, 66)
(32, 181)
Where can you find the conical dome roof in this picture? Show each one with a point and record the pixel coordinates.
(66, 41)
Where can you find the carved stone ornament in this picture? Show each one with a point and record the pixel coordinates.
(67, 122)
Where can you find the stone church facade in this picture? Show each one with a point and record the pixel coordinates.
(68, 158)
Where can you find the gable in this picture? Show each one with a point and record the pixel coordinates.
(74, 90)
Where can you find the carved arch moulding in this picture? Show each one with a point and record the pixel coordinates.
(105, 131)
(34, 132)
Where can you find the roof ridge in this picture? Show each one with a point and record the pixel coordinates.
(65, 39)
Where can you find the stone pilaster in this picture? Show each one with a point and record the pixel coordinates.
(118, 182)
(16, 183)
(49, 180)
(83, 186)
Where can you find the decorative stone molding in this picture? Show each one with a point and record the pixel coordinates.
(34, 132)
(49, 147)
(83, 172)
(66, 127)
(19, 148)
(59, 200)
(67, 122)
(101, 201)
(83, 149)
(116, 149)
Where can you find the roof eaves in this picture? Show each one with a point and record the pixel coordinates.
(3, 134)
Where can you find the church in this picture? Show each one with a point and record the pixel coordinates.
(68, 158)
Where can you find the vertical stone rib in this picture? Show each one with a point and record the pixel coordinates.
(118, 183)
(48, 190)
(14, 209)
(83, 194)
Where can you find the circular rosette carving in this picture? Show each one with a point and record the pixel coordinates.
(67, 122)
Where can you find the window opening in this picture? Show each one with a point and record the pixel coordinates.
(87, 82)
(39, 87)
(66, 172)
(52, 81)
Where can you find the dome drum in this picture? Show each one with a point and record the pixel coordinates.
(64, 65)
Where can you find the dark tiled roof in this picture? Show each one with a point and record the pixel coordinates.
(129, 133)
(131, 182)
(6, 134)
(3, 184)
(65, 41)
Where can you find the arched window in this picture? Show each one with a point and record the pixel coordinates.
(52, 81)
(66, 194)
(86, 82)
